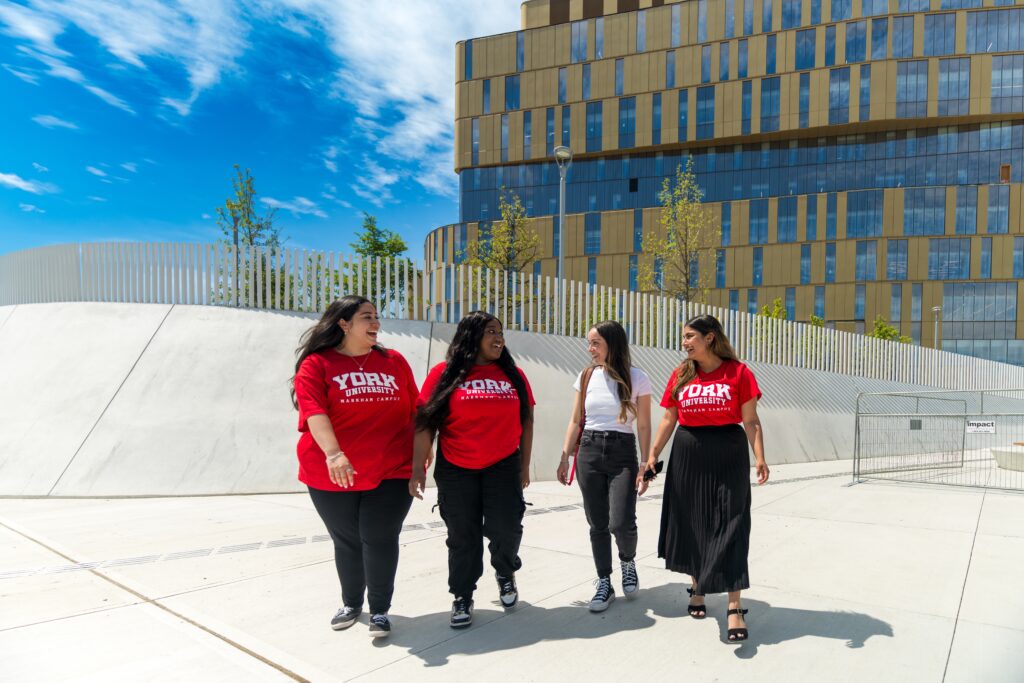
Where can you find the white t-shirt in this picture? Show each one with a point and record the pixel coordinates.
(602, 400)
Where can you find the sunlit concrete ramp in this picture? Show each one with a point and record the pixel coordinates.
(104, 399)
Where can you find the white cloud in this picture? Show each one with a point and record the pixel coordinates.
(130, 166)
(29, 24)
(96, 172)
(374, 182)
(97, 199)
(30, 208)
(48, 121)
(29, 78)
(330, 166)
(206, 216)
(39, 167)
(297, 206)
(18, 183)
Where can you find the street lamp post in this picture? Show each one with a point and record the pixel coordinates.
(937, 312)
(563, 157)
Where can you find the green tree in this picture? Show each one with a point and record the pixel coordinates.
(777, 310)
(688, 231)
(511, 244)
(374, 241)
(239, 211)
(883, 330)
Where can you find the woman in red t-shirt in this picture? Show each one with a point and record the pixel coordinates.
(356, 402)
(481, 406)
(705, 515)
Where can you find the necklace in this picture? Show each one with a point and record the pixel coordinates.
(358, 364)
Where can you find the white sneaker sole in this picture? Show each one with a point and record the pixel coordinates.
(629, 595)
(380, 634)
(344, 625)
(602, 606)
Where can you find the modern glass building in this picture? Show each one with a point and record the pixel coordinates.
(863, 157)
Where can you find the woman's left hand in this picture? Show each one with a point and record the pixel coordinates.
(762, 471)
(526, 478)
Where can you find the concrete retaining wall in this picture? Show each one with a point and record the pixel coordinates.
(136, 399)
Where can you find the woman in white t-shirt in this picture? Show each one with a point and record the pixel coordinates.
(617, 396)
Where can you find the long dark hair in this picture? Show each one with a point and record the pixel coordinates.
(720, 346)
(617, 365)
(327, 334)
(460, 360)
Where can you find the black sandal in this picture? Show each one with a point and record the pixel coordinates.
(696, 611)
(737, 635)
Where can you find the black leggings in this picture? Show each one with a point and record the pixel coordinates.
(364, 526)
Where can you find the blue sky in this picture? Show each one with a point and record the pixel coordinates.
(122, 119)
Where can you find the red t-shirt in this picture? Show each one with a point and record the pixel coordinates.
(713, 399)
(371, 409)
(483, 423)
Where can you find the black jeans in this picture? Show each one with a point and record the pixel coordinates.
(364, 526)
(475, 504)
(606, 470)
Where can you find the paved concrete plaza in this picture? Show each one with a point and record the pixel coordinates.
(871, 582)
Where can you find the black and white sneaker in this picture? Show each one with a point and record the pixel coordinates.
(604, 596)
(630, 581)
(507, 591)
(462, 613)
(380, 626)
(345, 617)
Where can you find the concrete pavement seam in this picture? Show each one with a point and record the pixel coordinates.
(13, 311)
(146, 599)
(963, 588)
(112, 397)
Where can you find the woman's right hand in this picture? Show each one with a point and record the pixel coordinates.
(341, 471)
(563, 473)
(417, 484)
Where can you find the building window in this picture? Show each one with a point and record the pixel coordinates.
(830, 262)
(805, 100)
(706, 113)
(811, 229)
(527, 134)
(949, 258)
(939, 34)
(730, 19)
(676, 25)
(594, 126)
(831, 202)
(726, 224)
(1018, 257)
(805, 43)
(769, 54)
(633, 272)
(865, 266)
(684, 111)
(819, 302)
(723, 61)
(620, 76)
(815, 12)
(769, 104)
(791, 10)
(475, 147)
(745, 106)
(998, 209)
(752, 293)
(563, 85)
(549, 131)
(756, 276)
(586, 82)
(758, 230)
(741, 59)
(592, 272)
(748, 17)
(993, 31)
(599, 38)
(592, 233)
(641, 31)
(902, 37)
(879, 38)
(766, 16)
(566, 125)
(839, 96)
(924, 211)
(638, 230)
(896, 262)
(912, 89)
(856, 41)
(656, 119)
(511, 93)
(966, 210)
(702, 20)
(790, 303)
(705, 64)
(579, 42)
(670, 69)
(556, 237)
(830, 45)
(694, 272)
(914, 6)
(627, 122)
(787, 219)
(841, 9)
(467, 72)
(520, 51)
(865, 92)
(805, 264)
(487, 96)
(1007, 84)
(872, 7)
(895, 304)
(504, 137)
(720, 268)
(734, 299)
(864, 213)
(858, 302)
(985, 272)
(954, 87)
(915, 311)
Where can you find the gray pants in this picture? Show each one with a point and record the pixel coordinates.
(606, 470)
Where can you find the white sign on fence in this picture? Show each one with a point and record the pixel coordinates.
(981, 426)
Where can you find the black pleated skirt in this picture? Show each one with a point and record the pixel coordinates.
(705, 513)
